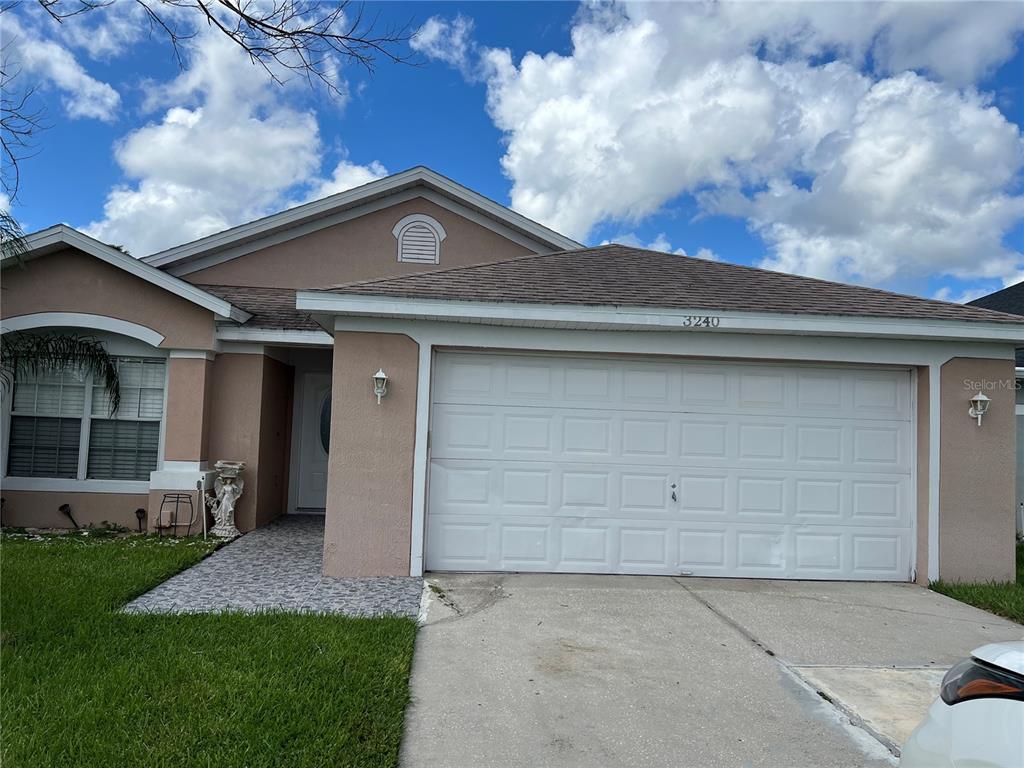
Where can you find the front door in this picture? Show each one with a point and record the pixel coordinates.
(314, 442)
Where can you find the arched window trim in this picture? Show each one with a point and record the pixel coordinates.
(414, 219)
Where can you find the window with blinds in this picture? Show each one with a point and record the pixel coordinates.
(46, 424)
(59, 419)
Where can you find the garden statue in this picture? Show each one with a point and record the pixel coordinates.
(228, 487)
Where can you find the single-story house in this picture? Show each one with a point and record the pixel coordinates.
(548, 407)
(1011, 300)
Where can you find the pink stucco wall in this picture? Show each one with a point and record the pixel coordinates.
(369, 483)
(977, 474)
(359, 249)
(71, 281)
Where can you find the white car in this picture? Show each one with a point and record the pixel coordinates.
(978, 719)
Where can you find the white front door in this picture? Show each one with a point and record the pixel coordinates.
(314, 441)
(612, 465)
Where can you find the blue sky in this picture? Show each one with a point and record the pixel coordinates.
(872, 143)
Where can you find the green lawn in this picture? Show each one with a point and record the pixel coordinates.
(1006, 598)
(82, 685)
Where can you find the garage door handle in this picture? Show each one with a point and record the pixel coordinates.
(674, 492)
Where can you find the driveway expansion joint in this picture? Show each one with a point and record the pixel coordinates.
(728, 620)
(792, 672)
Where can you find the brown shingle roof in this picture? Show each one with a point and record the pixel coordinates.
(617, 275)
(270, 307)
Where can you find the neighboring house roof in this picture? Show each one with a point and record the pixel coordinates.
(272, 308)
(278, 224)
(61, 235)
(621, 276)
(1009, 300)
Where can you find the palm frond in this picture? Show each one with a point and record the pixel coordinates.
(34, 354)
(12, 238)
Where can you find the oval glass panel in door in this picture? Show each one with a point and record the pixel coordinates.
(325, 423)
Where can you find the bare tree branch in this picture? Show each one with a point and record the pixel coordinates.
(20, 121)
(299, 36)
(307, 38)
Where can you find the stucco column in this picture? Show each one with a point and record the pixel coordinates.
(186, 434)
(977, 472)
(369, 477)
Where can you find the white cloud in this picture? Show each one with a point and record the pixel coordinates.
(962, 295)
(957, 42)
(917, 183)
(447, 41)
(348, 175)
(661, 243)
(875, 176)
(110, 30)
(55, 66)
(228, 150)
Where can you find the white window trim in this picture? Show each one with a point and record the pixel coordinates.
(80, 484)
(431, 223)
(68, 485)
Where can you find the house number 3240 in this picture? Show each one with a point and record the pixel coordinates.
(700, 321)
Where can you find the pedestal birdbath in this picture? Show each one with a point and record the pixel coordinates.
(228, 487)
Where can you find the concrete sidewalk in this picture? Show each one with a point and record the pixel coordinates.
(850, 623)
(543, 670)
(878, 651)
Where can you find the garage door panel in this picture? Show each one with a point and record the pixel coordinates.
(620, 466)
(733, 441)
(568, 545)
(749, 388)
(491, 488)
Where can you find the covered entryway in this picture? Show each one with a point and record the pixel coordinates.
(619, 465)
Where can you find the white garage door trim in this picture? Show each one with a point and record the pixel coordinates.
(799, 471)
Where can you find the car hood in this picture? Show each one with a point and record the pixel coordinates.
(1006, 655)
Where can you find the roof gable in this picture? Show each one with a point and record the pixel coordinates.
(61, 235)
(620, 276)
(302, 219)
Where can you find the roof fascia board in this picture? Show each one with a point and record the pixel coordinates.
(303, 214)
(274, 336)
(572, 316)
(61, 234)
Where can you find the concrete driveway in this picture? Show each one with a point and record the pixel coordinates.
(557, 670)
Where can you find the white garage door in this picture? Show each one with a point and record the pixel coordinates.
(716, 469)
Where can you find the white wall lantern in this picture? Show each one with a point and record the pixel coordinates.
(979, 406)
(380, 384)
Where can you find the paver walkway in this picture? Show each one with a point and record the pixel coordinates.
(278, 567)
